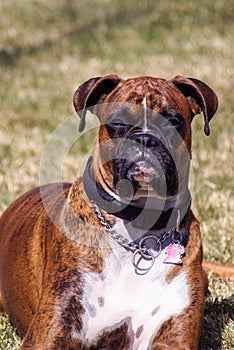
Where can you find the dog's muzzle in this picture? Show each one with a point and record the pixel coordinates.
(147, 163)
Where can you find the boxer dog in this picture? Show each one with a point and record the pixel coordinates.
(114, 260)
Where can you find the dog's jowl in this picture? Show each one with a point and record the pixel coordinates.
(113, 261)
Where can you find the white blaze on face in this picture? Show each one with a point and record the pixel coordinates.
(144, 104)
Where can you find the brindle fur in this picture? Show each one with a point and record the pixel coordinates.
(44, 258)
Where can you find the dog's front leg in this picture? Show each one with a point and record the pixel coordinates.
(182, 331)
(179, 334)
(55, 324)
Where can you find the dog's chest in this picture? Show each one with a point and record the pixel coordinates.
(121, 296)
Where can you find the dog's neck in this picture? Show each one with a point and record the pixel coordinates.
(150, 214)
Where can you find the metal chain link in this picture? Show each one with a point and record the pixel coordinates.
(114, 234)
(140, 249)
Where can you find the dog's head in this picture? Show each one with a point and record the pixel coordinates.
(144, 143)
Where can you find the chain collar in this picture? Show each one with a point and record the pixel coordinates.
(140, 251)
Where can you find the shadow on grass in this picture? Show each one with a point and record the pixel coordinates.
(217, 315)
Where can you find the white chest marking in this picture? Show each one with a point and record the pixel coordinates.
(120, 295)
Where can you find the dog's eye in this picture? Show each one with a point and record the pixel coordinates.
(172, 119)
(117, 123)
(117, 127)
(177, 121)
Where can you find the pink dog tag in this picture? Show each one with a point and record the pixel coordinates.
(174, 253)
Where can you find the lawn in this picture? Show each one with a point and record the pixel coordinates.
(47, 48)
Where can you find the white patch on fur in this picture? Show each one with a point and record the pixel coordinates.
(144, 128)
(118, 294)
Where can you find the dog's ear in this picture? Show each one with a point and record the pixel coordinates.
(198, 95)
(92, 92)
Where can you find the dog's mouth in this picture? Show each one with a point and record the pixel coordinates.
(143, 173)
(143, 179)
(146, 171)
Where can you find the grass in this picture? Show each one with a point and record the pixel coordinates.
(47, 48)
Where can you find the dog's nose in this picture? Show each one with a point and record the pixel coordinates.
(145, 140)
